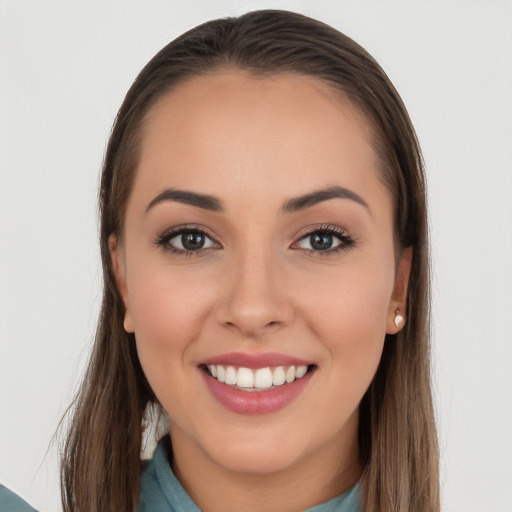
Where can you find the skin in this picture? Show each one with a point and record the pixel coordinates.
(258, 287)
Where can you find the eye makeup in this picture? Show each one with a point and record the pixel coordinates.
(191, 240)
(186, 240)
(325, 240)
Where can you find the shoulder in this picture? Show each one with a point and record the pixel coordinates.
(10, 502)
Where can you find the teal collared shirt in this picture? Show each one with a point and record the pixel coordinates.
(162, 492)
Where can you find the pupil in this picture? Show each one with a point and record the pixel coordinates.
(321, 241)
(192, 241)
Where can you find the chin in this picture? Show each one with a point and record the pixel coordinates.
(261, 449)
(257, 460)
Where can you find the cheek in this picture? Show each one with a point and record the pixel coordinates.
(168, 311)
(348, 313)
(357, 293)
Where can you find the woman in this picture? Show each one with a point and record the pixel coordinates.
(264, 245)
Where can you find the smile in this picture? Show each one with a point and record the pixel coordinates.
(256, 384)
(256, 379)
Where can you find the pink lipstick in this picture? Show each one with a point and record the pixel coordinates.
(256, 384)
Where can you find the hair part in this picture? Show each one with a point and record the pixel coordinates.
(397, 434)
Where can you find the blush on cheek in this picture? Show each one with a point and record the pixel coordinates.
(168, 317)
(166, 302)
(353, 307)
(350, 317)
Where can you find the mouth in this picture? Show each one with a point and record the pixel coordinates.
(256, 384)
(257, 379)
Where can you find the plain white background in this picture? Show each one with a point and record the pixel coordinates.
(65, 67)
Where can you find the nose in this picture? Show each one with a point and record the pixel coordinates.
(255, 299)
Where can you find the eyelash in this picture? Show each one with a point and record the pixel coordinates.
(164, 239)
(346, 241)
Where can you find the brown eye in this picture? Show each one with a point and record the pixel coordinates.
(186, 241)
(192, 241)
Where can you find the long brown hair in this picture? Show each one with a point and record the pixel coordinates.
(397, 434)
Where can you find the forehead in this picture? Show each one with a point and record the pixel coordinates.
(231, 130)
(236, 96)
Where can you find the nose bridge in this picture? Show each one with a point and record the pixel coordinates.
(254, 299)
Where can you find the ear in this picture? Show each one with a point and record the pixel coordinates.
(118, 263)
(398, 303)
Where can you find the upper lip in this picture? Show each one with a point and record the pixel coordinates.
(254, 361)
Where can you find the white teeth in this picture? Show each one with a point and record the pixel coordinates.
(258, 379)
(263, 378)
(290, 374)
(278, 376)
(300, 371)
(245, 378)
(230, 376)
(221, 373)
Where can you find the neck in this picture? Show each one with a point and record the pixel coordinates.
(312, 480)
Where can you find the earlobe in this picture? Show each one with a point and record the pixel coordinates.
(119, 269)
(398, 303)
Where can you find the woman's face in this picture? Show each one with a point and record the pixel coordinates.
(258, 245)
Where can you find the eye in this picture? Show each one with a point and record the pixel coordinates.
(186, 241)
(326, 239)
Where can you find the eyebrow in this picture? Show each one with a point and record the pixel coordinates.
(212, 203)
(204, 201)
(318, 196)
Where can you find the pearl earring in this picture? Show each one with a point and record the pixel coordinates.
(398, 319)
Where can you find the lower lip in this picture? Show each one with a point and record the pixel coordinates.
(256, 402)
